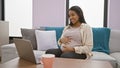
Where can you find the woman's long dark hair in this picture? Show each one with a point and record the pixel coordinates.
(79, 12)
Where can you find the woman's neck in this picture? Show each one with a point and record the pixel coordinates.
(76, 25)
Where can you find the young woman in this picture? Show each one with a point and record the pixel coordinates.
(77, 38)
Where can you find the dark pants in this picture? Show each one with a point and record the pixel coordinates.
(59, 53)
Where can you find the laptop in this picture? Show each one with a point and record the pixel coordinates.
(26, 52)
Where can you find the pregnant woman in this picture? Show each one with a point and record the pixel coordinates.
(77, 38)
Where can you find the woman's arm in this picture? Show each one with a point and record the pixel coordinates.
(63, 39)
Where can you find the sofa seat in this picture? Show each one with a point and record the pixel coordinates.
(104, 57)
(8, 52)
(116, 55)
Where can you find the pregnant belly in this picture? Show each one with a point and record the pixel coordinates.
(72, 43)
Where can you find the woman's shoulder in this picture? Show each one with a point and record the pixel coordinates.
(84, 26)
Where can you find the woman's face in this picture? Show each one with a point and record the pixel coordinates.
(74, 18)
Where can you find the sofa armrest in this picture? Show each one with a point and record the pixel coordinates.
(114, 43)
(8, 52)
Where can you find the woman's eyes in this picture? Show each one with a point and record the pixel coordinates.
(71, 15)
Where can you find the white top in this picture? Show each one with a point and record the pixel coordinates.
(74, 34)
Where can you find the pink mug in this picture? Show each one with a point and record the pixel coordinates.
(47, 60)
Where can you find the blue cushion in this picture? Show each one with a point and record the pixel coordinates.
(101, 39)
(58, 30)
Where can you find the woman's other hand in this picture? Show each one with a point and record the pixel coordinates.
(67, 48)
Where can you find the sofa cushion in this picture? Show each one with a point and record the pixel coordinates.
(114, 43)
(29, 34)
(46, 40)
(8, 52)
(101, 39)
(116, 56)
(102, 56)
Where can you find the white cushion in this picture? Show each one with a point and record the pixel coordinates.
(102, 56)
(46, 40)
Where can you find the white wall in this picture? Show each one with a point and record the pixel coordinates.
(19, 15)
(93, 11)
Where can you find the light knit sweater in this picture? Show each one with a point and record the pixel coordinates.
(86, 40)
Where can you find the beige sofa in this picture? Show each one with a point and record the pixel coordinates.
(4, 34)
(113, 57)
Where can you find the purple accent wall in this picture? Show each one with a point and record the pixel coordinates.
(49, 13)
(114, 14)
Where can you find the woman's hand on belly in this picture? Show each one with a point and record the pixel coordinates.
(65, 39)
(67, 48)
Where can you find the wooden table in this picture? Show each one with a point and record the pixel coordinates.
(59, 63)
